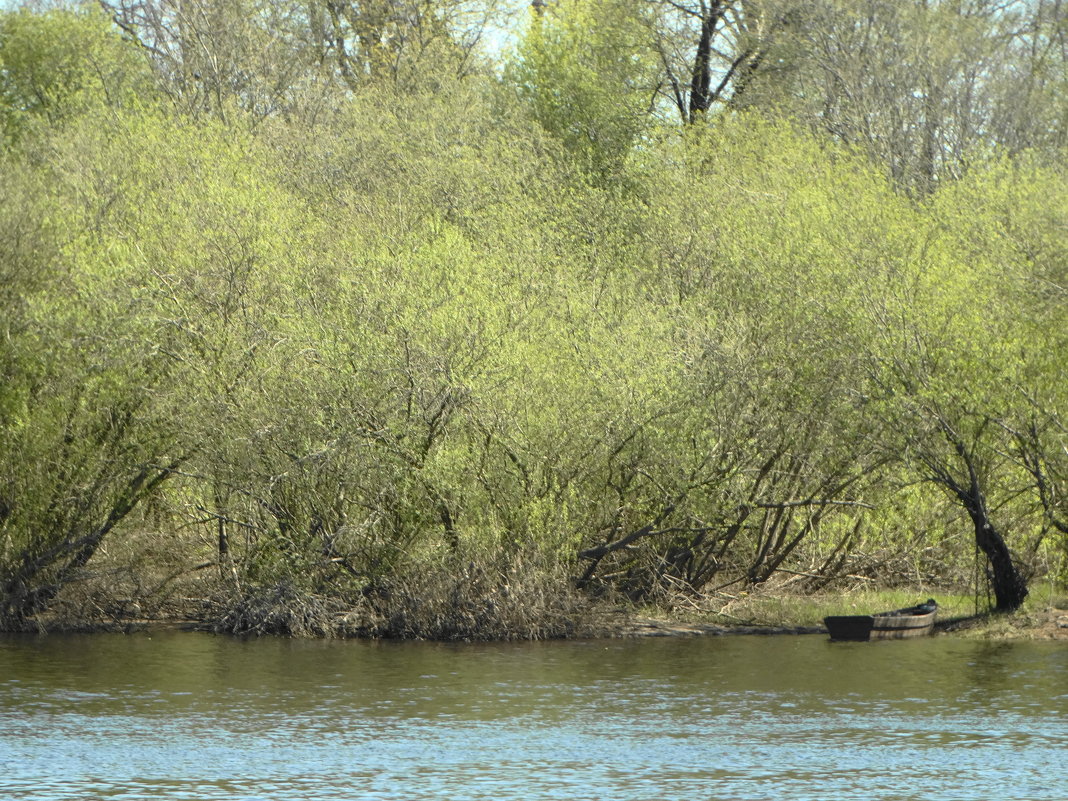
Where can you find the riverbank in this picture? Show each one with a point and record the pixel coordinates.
(1043, 617)
(1046, 624)
(1050, 623)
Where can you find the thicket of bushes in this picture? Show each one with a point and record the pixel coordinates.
(400, 361)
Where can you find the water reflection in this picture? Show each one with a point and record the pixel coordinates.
(178, 716)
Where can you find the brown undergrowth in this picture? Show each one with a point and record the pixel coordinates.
(474, 602)
(487, 599)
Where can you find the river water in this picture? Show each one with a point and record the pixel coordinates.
(194, 716)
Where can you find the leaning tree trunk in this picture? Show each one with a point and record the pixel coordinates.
(1010, 588)
(30, 586)
(1009, 585)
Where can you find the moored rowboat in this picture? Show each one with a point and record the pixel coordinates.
(916, 621)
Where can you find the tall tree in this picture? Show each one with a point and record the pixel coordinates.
(1010, 214)
(945, 316)
(56, 64)
(585, 69)
(927, 85)
(716, 53)
(272, 56)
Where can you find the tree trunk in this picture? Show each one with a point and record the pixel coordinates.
(701, 80)
(1010, 588)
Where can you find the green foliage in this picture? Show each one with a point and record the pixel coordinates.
(1009, 220)
(399, 356)
(586, 70)
(87, 430)
(54, 65)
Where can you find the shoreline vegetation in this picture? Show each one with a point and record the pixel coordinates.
(1046, 623)
(765, 612)
(340, 319)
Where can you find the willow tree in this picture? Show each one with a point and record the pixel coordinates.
(585, 69)
(758, 446)
(948, 340)
(88, 430)
(57, 64)
(84, 431)
(1009, 215)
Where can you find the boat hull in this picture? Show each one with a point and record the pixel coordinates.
(886, 626)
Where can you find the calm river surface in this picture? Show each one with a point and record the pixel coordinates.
(193, 716)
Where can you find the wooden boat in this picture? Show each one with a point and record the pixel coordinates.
(915, 621)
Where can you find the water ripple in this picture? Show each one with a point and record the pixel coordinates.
(190, 717)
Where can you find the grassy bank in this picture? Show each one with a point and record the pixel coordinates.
(1044, 615)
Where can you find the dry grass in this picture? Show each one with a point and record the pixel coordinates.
(139, 581)
(487, 601)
